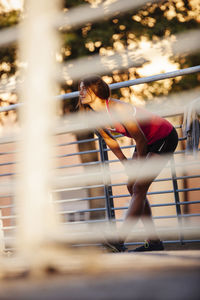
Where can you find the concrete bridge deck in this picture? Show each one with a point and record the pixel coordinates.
(156, 276)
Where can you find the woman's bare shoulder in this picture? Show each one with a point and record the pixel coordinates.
(116, 103)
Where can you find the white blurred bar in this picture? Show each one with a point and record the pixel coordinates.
(38, 45)
(2, 241)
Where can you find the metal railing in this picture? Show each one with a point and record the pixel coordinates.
(75, 203)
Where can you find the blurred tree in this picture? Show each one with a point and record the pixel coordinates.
(152, 22)
(8, 61)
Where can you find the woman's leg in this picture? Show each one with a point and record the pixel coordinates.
(148, 222)
(139, 206)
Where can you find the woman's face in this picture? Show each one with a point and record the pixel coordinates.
(85, 96)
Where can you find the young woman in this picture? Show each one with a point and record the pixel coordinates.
(154, 137)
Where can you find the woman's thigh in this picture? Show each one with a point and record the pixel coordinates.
(148, 171)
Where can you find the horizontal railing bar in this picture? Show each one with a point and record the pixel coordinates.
(10, 107)
(82, 210)
(80, 165)
(8, 163)
(104, 209)
(174, 204)
(175, 216)
(126, 244)
(168, 217)
(8, 217)
(77, 188)
(7, 196)
(122, 147)
(160, 179)
(179, 177)
(7, 174)
(163, 76)
(116, 208)
(126, 147)
(108, 162)
(159, 192)
(125, 183)
(177, 190)
(188, 190)
(9, 227)
(8, 153)
(79, 199)
(133, 146)
(142, 80)
(155, 217)
(186, 177)
(78, 142)
(77, 153)
(123, 84)
(7, 206)
(164, 242)
(190, 241)
(161, 205)
(85, 222)
(9, 139)
(149, 193)
(189, 215)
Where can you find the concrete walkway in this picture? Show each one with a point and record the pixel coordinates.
(156, 276)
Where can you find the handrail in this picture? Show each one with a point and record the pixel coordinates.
(123, 84)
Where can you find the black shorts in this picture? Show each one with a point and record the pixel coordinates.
(165, 145)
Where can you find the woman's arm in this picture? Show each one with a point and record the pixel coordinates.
(112, 144)
(137, 134)
(134, 129)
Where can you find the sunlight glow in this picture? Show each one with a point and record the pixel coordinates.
(8, 5)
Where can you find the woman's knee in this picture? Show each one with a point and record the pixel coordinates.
(140, 189)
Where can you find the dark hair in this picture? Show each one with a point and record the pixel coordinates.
(97, 85)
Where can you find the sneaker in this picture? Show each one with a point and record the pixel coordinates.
(114, 247)
(149, 246)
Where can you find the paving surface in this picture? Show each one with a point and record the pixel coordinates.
(156, 276)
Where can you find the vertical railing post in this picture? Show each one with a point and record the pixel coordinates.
(107, 187)
(177, 199)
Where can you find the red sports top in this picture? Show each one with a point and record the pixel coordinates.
(153, 126)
